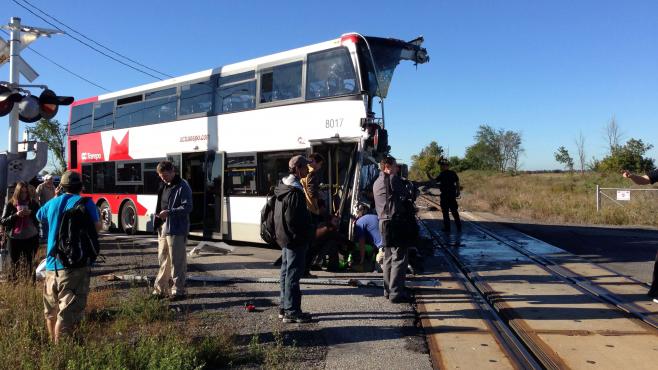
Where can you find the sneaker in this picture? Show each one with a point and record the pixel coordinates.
(299, 318)
(282, 313)
(655, 300)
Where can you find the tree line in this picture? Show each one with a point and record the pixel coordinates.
(494, 150)
(631, 155)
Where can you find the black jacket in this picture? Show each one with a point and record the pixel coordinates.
(9, 214)
(292, 220)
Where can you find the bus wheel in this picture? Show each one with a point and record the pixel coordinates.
(106, 216)
(129, 218)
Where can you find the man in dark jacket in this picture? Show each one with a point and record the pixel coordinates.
(388, 191)
(448, 183)
(172, 222)
(294, 229)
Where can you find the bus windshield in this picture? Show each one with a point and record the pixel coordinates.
(386, 55)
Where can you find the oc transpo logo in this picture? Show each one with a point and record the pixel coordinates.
(90, 156)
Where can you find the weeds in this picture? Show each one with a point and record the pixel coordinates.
(558, 198)
(123, 329)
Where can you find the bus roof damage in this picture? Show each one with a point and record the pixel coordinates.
(382, 55)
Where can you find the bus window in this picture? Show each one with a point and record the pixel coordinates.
(86, 178)
(272, 167)
(81, 119)
(236, 97)
(103, 177)
(330, 73)
(281, 83)
(240, 174)
(151, 179)
(159, 110)
(196, 98)
(103, 115)
(128, 173)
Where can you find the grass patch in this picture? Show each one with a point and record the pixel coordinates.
(557, 198)
(123, 329)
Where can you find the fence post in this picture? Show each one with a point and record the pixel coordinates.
(598, 199)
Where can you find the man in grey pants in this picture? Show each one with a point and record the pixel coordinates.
(388, 190)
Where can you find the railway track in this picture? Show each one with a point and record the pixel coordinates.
(526, 309)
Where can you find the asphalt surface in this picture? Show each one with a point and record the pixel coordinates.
(352, 327)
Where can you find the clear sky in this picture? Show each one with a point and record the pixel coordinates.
(549, 69)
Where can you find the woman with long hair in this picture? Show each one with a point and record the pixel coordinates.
(22, 228)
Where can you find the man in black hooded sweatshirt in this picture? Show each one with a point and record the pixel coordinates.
(294, 229)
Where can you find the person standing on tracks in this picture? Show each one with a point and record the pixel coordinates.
(172, 222)
(448, 183)
(294, 230)
(388, 190)
(650, 178)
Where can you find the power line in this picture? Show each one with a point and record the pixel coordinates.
(62, 67)
(86, 44)
(95, 42)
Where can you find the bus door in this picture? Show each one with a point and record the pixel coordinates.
(190, 167)
(214, 213)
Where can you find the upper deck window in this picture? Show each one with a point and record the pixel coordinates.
(281, 83)
(330, 73)
(196, 98)
(235, 93)
(81, 119)
(103, 115)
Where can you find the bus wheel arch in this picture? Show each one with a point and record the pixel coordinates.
(105, 214)
(128, 217)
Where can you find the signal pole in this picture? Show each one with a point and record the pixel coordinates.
(14, 77)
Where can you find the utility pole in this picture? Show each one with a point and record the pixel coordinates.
(14, 77)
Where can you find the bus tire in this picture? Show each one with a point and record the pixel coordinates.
(128, 218)
(105, 214)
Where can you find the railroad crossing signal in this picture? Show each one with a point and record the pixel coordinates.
(30, 108)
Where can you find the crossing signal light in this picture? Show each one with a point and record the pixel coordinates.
(31, 108)
(7, 100)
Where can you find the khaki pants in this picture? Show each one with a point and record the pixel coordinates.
(65, 296)
(173, 264)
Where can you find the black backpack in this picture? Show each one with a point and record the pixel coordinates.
(267, 228)
(76, 244)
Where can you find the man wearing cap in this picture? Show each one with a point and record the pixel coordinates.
(45, 192)
(448, 183)
(294, 229)
(65, 290)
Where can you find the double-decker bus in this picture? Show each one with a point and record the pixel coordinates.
(230, 132)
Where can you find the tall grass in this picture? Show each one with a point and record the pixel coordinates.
(556, 198)
(123, 329)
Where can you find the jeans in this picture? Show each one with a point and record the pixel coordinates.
(293, 262)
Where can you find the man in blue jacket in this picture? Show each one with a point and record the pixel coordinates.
(294, 229)
(172, 222)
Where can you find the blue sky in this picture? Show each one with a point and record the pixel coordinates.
(548, 69)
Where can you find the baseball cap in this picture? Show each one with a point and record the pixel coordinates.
(70, 178)
(47, 177)
(297, 161)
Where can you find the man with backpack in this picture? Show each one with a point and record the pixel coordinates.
(73, 224)
(294, 229)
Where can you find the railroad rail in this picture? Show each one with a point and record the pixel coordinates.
(539, 312)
